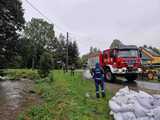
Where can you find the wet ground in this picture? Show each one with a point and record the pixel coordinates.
(152, 88)
(15, 96)
(135, 85)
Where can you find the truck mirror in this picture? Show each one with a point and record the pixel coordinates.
(140, 54)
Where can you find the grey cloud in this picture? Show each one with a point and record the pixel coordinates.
(100, 21)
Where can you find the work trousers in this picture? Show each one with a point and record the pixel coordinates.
(101, 84)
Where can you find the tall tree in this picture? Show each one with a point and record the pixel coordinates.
(25, 52)
(93, 49)
(61, 52)
(116, 44)
(11, 22)
(42, 37)
(75, 54)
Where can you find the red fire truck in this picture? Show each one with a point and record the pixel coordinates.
(123, 61)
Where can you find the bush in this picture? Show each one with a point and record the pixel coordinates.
(51, 77)
(46, 64)
(22, 73)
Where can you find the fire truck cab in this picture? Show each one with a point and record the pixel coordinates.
(124, 61)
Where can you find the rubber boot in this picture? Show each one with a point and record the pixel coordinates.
(103, 94)
(97, 95)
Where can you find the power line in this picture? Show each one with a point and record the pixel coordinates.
(43, 15)
(57, 26)
(38, 10)
(47, 18)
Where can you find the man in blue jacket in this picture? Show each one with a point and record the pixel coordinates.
(98, 76)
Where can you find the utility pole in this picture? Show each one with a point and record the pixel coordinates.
(67, 53)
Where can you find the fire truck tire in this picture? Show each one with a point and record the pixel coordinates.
(109, 76)
(131, 77)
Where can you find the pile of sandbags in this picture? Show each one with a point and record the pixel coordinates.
(130, 105)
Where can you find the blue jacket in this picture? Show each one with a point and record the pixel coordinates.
(98, 73)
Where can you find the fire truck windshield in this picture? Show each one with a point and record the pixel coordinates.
(128, 53)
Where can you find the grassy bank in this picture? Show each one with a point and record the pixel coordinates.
(67, 98)
(15, 74)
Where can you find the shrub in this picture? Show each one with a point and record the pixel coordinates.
(46, 64)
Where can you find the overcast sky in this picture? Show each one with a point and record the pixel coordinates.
(98, 22)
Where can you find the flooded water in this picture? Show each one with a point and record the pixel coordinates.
(14, 97)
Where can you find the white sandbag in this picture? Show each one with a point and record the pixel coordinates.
(123, 108)
(114, 106)
(123, 95)
(145, 118)
(155, 113)
(128, 116)
(87, 75)
(124, 99)
(144, 94)
(121, 99)
(139, 110)
(111, 113)
(127, 108)
(118, 116)
(131, 105)
(123, 91)
(156, 101)
(145, 102)
(133, 92)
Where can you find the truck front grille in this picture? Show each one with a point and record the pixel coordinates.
(131, 62)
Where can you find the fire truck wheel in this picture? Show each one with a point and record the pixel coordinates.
(109, 76)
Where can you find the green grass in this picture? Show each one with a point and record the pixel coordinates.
(65, 99)
(15, 74)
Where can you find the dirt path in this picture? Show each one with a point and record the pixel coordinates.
(15, 96)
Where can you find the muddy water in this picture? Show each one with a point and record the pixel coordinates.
(14, 97)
